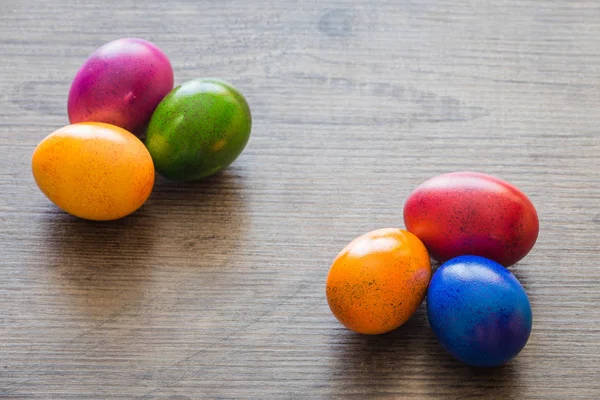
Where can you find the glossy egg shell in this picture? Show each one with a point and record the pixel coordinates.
(479, 311)
(94, 171)
(470, 213)
(121, 84)
(198, 129)
(378, 281)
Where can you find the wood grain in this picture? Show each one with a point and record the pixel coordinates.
(216, 289)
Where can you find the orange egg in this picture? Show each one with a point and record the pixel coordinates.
(94, 170)
(378, 281)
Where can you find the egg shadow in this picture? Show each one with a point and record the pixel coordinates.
(101, 267)
(463, 381)
(377, 364)
(97, 266)
(435, 265)
(200, 223)
(410, 362)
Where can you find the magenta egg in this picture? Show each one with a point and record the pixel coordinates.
(121, 84)
(471, 213)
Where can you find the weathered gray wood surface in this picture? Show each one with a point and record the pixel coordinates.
(216, 289)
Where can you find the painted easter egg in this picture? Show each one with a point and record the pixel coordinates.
(377, 282)
(94, 171)
(121, 84)
(479, 311)
(470, 213)
(198, 129)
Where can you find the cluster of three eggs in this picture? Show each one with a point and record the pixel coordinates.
(476, 225)
(98, 168)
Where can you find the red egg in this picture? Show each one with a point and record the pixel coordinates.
(470, 213)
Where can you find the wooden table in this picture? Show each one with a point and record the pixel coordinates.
(217, 289)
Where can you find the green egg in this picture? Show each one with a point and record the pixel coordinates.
(198, 129)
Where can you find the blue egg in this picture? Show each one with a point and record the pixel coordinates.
(479, 311)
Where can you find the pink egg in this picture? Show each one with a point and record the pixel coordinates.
(121, 84)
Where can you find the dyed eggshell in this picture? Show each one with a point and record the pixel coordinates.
(479, 311)
(198, 129)
(94, 170)
(121, 84)
(470, 213)
(378, 281)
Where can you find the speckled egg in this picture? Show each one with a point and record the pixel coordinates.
(479, 311)
(121, 84)
(377, 282)
(93, 170)
(198, 129)
(470, 213)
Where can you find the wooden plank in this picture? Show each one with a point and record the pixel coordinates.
(216, 289)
